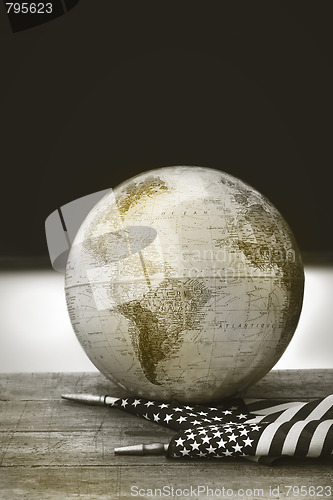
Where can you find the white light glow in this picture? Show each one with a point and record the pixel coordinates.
(312, 343)
(36, 334)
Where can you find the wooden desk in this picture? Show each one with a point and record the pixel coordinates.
(55, 449)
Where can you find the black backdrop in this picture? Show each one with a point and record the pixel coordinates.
(108, 90)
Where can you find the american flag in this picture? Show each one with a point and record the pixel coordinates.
(257, 429)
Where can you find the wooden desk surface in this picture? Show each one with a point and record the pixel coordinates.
(55, 449)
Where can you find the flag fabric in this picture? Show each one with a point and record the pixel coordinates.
(257, 429)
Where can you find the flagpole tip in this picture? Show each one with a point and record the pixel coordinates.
(142, 449)
(88, 399)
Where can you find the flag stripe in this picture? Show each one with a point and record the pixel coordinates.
(274, 409)
(298, 413)
(278, 440)
(293, 438)
(328, 444)
(266, 418)
(318, 438)
(323, 409)
(273, 417)
(255, 405)
(266, 437)
(306, 410)
(304, 440)
(255, 419)
(314, 410)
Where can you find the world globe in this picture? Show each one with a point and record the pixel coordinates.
(184, 283)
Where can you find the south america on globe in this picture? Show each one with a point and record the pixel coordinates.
(184, 283)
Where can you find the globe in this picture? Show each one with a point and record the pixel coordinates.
(184, 283)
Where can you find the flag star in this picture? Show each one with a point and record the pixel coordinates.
(203, 413)
(237, 447)
(181, 419)
(248, 441)
(210, 449)
(233, 408)
(196, 422)
(227, 453)
(217, 434)
(124, 402)
(191, 436)
(201, 454)
(146, 416)
(227, 412)
(206, 439)
(177, 409)
(192, 414)
(229, 429)
(202, 431)
(188, 431)
(149, 403)
(255, 428)
(163, 405)
(156, 417)
(218, 419)
(179, 442)
(243, 432)
(221, 443)
(136, 402)
(167, 418)
(233, 437)
(241, 415)
(189, 407)
(206, 420)
(185, 451)
(195, 446)
(213, 409)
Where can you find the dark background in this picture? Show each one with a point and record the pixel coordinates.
(107, 91)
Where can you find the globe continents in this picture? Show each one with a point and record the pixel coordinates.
(184, 283)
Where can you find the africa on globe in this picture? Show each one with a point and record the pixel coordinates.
(184, 283)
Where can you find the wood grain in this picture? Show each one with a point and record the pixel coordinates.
(56, 449)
